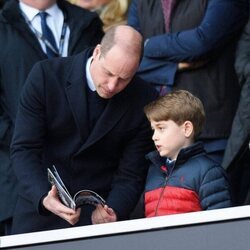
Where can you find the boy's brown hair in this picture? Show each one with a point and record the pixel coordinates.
(178, 106)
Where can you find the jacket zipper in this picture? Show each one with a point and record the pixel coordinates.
(161, 194)
(164, 187)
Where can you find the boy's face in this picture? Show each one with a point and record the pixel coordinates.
(169, 138)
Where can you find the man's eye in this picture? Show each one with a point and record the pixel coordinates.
(108, 73)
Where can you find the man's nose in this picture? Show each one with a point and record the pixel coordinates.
(112, 83)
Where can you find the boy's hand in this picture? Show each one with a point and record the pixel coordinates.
(52, 203)
(103, 215)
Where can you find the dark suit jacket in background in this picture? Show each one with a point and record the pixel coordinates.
(237, 155)
(52, 128)
(199, 30)
(19, 51)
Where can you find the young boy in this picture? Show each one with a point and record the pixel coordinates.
(182, 178)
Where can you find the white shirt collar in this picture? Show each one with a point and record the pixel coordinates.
(88, 75)
(31, 12)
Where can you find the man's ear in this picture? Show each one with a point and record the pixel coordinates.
(188, 128)
(97, 52)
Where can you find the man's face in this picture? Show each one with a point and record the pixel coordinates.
(39, 4)
(113, 72)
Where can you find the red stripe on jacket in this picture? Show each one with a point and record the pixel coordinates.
(171, 200)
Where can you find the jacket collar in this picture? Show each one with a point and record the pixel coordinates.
(12, 14)
(183, 156)
(77, 21)
(73, 16)
(76, 92)
(77, 98)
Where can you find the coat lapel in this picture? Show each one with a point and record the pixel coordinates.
(77, 98)
(78, 23)
(110, 117)
(76, 94)
(13, 15)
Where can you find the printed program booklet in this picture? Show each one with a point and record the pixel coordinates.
(81, 198)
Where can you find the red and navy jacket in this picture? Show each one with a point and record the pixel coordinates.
(193, 182)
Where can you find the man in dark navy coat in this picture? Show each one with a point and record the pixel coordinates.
(21, 48)
(83, 114)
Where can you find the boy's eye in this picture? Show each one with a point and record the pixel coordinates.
(161, 128)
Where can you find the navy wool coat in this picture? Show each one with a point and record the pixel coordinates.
(20, 50)
(52, 128)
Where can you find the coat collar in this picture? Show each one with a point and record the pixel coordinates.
(12, 14)
(77, 98)
(77, 19)
(76, 92)
(183, 156)
(74, 17)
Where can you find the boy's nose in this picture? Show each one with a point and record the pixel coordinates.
(154, 137)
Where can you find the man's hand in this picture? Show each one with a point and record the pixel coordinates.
(52, 203)
(103, 215)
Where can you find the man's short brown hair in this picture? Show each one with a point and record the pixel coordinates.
(178, 106)
(114, 36)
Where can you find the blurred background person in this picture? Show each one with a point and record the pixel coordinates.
(2, 2)
(94, 5)
(111, 12)
(191, 45)
(26, 38)
(237, 155)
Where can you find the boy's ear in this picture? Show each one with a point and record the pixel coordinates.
(188, 128)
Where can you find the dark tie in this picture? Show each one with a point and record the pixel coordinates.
(48, 35)
(167, 6)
